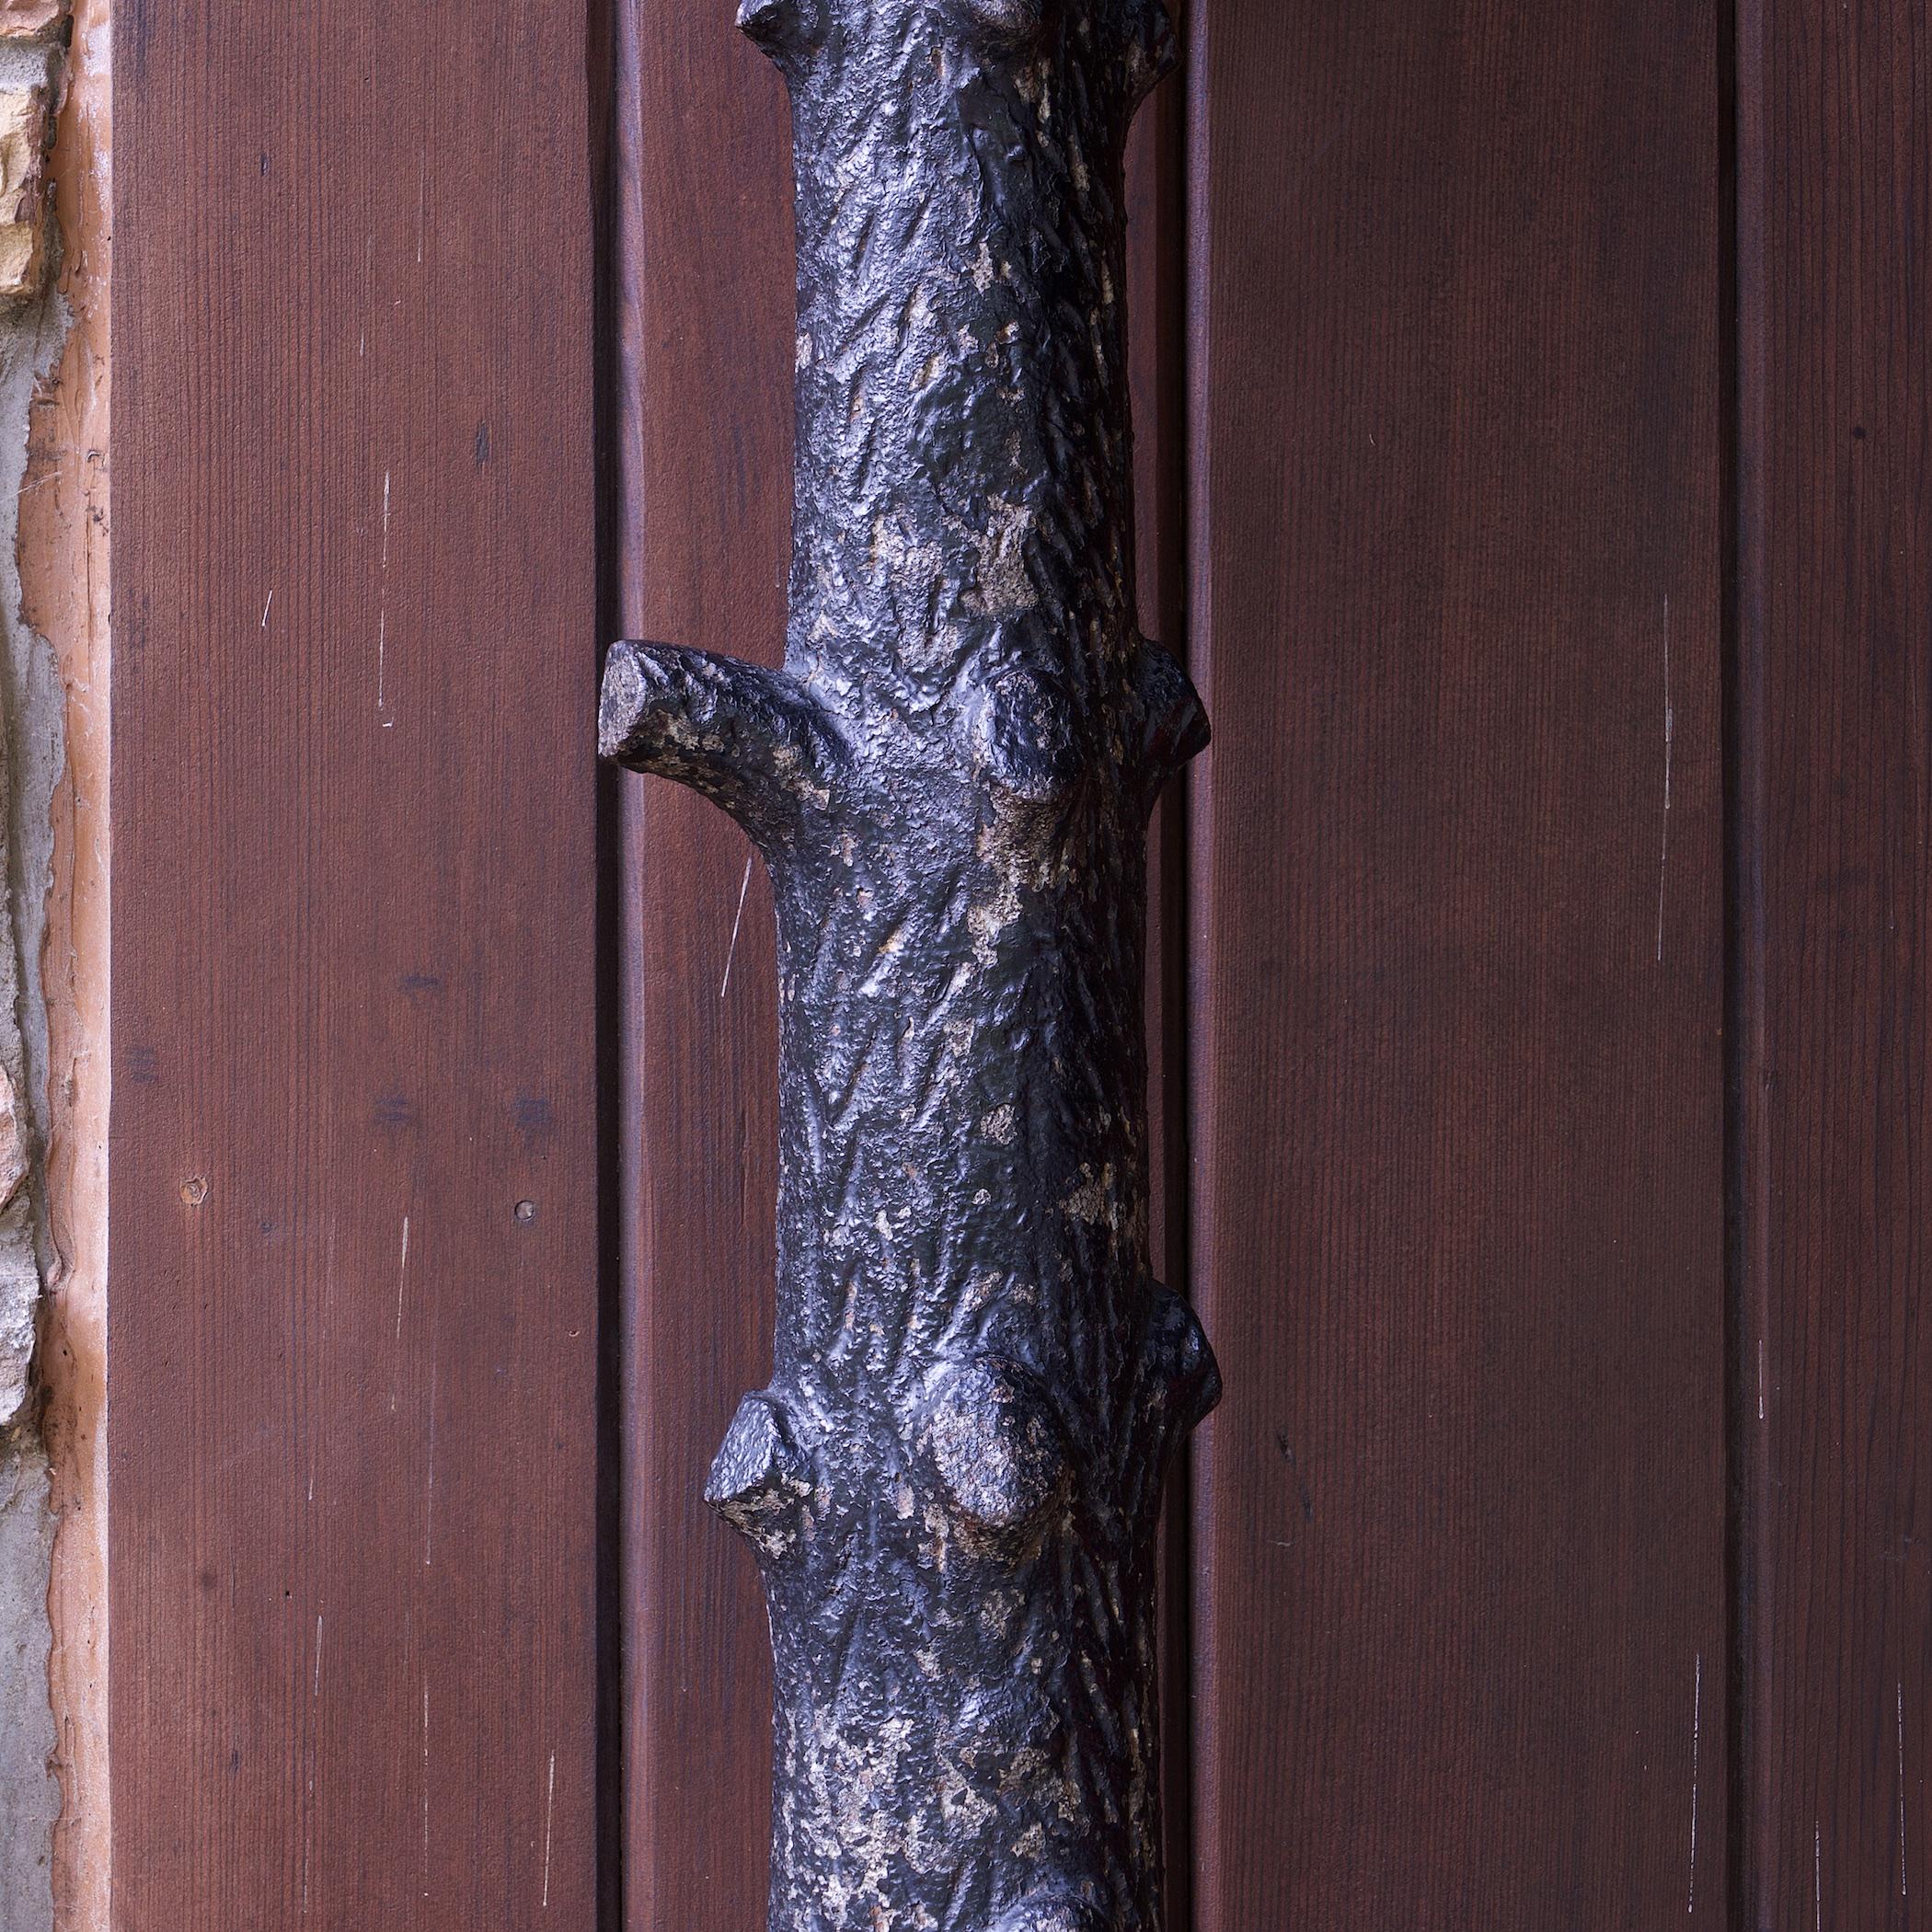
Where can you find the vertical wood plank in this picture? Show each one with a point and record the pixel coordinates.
(1835, 1409)
(353, 1286)
(705, 266)
(1157, 335)
(1457, 966)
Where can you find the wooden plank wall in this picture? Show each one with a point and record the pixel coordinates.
(1457, 965)
(354, 1002)
(1835, 667)
(1449, 459)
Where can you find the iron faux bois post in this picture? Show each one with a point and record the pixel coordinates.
(953, 1479)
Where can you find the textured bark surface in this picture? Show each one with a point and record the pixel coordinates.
(952, 1478)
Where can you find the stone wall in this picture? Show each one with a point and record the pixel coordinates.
(54, 589)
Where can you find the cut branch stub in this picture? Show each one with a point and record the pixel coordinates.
(953, 1479)
(759, 1481)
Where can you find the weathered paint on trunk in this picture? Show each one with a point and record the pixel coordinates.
(953, 1479)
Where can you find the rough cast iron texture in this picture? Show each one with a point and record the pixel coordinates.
(952, 1481)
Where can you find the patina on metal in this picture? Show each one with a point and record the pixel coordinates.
(952, 1481)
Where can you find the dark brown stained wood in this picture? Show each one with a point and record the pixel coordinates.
(1835, 1409)
(703, 258)
(1458, 1119)
(352, 1468)
(1157, 335)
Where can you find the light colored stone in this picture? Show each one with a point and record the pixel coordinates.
(29, 1797)
(60, 654)
(30, 20)
(19, 1268)
(20, 1295)
(32, 328)
(23, 175)
(24, 129)
(13, 1140)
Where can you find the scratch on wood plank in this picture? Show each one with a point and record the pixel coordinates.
(1817, 1877)
(425, 1787)
(429, 1501)
(1902, 1785)
(1664, 860)
(316, 1690)
(266, 609)
(550, 1820)
(402, 1277)
(732, 952)
(381, 613)
(1697, 1735)
(308, 1822)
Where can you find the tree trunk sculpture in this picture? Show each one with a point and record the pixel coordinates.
(952, 1481)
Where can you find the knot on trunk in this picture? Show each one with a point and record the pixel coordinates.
(1181, 1379)
(1020, 731)
(1173, 720)
(992, 1438)
(1035, 748)
(760, 1478)
(1004, 23)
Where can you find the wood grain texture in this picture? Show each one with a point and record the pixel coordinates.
(703, 267)
(1834, 1408)
(1457, 1132)
(352, 1447)
(1156, 338)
